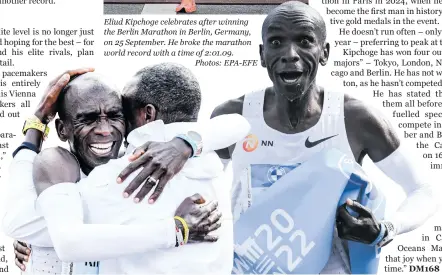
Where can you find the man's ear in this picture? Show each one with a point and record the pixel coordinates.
(325, 54)
(60, 126)
(150, 113)
(261, 54)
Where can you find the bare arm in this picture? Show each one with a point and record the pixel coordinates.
(368, 132)
(53, 166)
(378, 140)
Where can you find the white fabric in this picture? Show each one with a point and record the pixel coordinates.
(276, 148)
(215, 133)
(105, 209)
(82, 242)
(21, 221)
(43, 260)
(420, 203)
(225, 163)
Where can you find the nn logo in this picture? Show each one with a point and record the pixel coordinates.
(251, 142)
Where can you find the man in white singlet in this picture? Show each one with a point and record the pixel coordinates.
(295, 118)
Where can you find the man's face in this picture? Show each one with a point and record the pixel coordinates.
(292, 48)
(95, 122)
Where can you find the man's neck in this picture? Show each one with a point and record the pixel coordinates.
(295, 114)
(83, 167)
(85, 170)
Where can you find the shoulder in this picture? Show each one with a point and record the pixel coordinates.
(54, 165)
(233, 106)
(356, 109)
(55, 154)
(370, 128)
(359, 113)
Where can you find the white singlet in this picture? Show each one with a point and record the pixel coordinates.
(275, 151)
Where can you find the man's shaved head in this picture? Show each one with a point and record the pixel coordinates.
(82, 87)
(294, 9)
(293, 46)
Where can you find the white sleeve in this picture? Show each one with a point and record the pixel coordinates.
(74, 241)
(222, 131)
(20, 220)
(420, 203)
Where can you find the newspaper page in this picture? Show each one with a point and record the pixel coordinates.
(324, 115)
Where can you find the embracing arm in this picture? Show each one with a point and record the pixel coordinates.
(62, 207)
(223, 131)
(382, 145)
(55, 171)
(163, 160)
(230, 107)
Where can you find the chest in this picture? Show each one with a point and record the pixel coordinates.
(265, 145)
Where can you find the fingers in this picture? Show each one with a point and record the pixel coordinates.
(20, 265)
(206, 210)
(203, 238)
(344, 232)
(160, 187)
(76, 72)
(79, 71)
(140, 151)
(21, 256)
(344, 229)
(212, 223)
(57, 87)
(22, 253)
(136, 154)
(359, 208)
(214, 226)
(212, 206)
(145, 160)
(214, 217)
(197, 198)
(72, 73)
(344, 216)
(22, 248)
(138, 180)
(148, 185)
